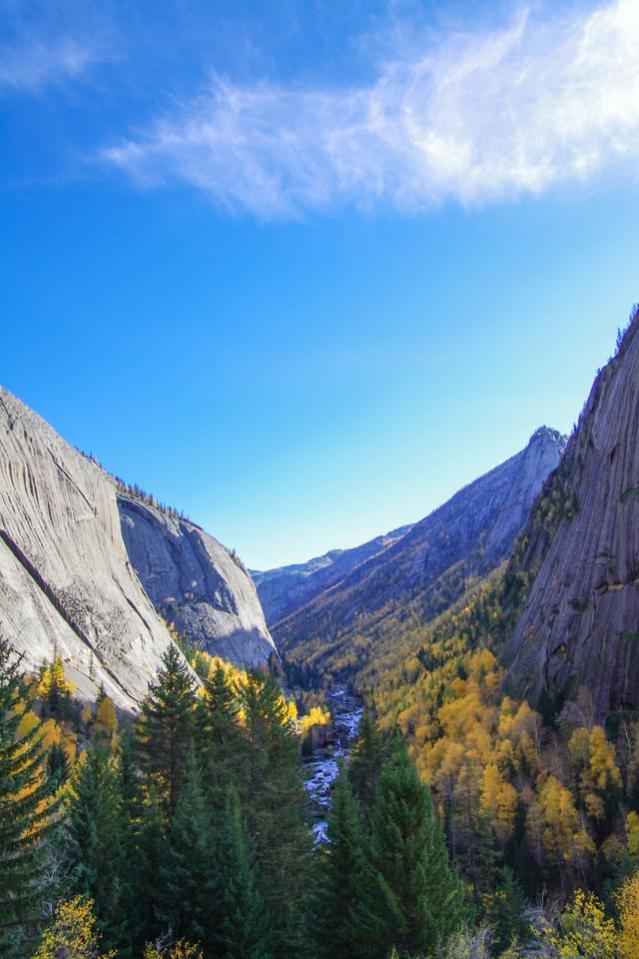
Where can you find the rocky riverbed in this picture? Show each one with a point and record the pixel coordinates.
(323, 765)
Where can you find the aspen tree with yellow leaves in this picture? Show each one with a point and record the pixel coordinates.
(73, 933)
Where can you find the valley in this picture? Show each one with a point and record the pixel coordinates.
(322, 767)
(452, 705)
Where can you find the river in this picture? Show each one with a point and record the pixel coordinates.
(323, 766)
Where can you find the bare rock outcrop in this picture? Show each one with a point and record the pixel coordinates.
(66, 583)
(195, 583)
(580, 626)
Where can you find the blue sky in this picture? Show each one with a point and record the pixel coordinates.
(303, 269)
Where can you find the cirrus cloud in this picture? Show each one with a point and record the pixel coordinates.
(476, 118)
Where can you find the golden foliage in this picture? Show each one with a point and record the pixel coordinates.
(73, 934)
(53, 677)
(317, 716)
(628, 905)
(106, 718)
(583, 931)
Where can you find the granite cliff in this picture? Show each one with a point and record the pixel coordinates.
(66, 583)
(69, 586)
(580, 551)
(195, 583)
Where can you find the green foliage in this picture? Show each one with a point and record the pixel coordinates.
(96, 837)
(219, 738)
(422, 900)
(366, 761)
(165, 728)
(187, 874)
(26, 808)
(276, 803)
(349, 924)
(243, 929)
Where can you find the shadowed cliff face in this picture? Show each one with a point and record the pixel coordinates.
(195, 583)
(426, 569)
(580, 626)
(66, 583)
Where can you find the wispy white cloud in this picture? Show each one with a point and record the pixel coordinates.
(547, 99)
(35, 64)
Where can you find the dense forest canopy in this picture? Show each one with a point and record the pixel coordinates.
(186, 833)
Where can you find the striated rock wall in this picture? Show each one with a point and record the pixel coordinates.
(195, 583)
(580, 626)
(66, 582)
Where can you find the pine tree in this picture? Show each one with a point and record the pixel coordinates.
(218, 738)
(58, 769)
(243, 931)
(147, 856)
(366, 762)
(421, 897)
(187, 876)
(504, 910)
(96, 833)
(348, 925)
(276, 804)
(26, 809)
(140, 864)
(165, 727)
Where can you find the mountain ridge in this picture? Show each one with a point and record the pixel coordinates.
(469, 534)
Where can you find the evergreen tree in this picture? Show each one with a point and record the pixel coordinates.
(366, 762)
(147, 856)
(218, 738)
(348, 925)
(243, 931)
(58, 770)
(96, 834)
(165, 727)
(421, 897)
(187, 875)
(26, 808)
(504, 910)
(276, 803)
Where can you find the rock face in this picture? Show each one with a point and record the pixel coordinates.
(66, 582)
(195, 583)
(285, 589)
(428, 567)
(580, 626)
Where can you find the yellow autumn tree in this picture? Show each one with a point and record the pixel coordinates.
(499, 802)
(53, 680)
(555, 817)
(106, 719)
(73, 933)
(582, 930)
(632, 834)
(628, 905)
